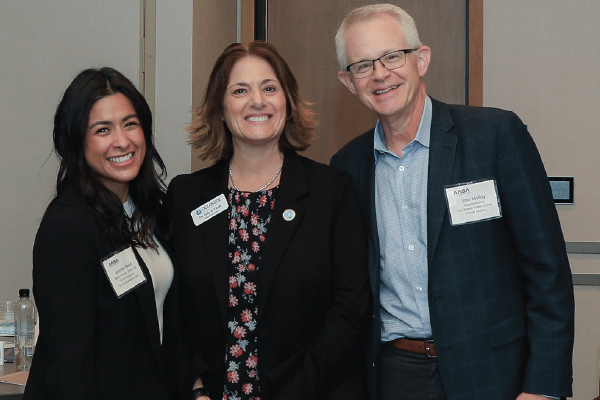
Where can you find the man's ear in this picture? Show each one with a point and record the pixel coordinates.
(424, 56)
(345, 78)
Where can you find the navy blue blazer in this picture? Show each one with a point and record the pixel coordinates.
(92, 344)
(313, 291)
(500, 291)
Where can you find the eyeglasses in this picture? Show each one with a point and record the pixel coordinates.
(390, 61)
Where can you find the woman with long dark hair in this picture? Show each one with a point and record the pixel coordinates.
(102, 279)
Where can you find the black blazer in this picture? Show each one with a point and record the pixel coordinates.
(93, 345)
(314, 297)
(500, 291)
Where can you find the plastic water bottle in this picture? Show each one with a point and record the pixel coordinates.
(25, 318)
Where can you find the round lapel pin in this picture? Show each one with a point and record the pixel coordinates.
(289, 215)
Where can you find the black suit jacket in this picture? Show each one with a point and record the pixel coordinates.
(313, 290)
(500, 291)
(93, 345)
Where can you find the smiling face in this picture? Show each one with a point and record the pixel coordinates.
(114, 144)
(392, 95)
(254, 106)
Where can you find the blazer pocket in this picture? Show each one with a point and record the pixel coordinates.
(507, 330)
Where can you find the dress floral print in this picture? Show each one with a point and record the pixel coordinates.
(249, 215)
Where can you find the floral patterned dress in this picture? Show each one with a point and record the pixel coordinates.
(249, 215)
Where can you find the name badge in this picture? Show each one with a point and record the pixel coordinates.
(473, 202)
(209, 209)
(123, 271)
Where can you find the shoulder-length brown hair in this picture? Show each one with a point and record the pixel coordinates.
(209, 134)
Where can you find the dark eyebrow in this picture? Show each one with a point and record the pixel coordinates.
(126, 118)
(386, 52)
(99, 123)
(238, 84)
(246, 84)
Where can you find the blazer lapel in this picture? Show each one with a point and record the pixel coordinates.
(365, 187)
(442, 149)
(214, 233)
(280, 232)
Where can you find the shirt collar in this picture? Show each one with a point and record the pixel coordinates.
(129, 207)
(422, 137)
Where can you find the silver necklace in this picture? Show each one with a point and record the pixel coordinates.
(262, 188)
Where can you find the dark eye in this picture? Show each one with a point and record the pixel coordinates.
(362, 66)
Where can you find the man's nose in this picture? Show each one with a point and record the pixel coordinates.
(380, 72)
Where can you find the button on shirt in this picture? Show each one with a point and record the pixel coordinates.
(401, 212)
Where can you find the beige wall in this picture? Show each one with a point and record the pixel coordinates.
(541, 59)
(42, 47)
(173, 82)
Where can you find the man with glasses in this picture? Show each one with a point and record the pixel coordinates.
(471, 281)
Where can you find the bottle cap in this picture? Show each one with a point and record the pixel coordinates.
(23, 292)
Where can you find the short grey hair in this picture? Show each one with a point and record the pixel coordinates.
(366, 13)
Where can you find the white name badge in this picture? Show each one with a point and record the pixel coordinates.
(209, 209)
(123, 271)
(473, 202)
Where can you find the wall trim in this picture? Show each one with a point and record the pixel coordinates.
(583, 247)
(475, 53)
(148, 53)
(586, 279)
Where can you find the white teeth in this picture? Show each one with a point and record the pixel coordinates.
(386, 90)
(257, 119)
(121, 159)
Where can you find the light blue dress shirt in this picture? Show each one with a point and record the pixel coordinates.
(401, 212)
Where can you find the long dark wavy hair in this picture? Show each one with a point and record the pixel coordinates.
(70, 127)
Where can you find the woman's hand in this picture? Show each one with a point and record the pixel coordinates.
(198, 392)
